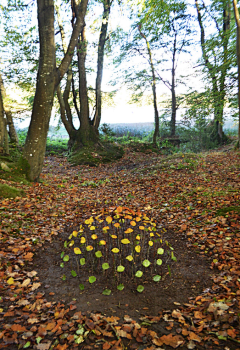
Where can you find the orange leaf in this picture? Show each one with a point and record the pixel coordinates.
(119, 209)
(173, 341)
(18, 328)
(106, 346)
(194, 337)
(28, 256)
(50, 326)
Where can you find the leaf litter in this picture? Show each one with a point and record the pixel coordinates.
(198, 205)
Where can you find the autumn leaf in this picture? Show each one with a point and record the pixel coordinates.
(77, 250)
(18, 328)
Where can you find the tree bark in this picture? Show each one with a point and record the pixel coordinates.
(86, 134)
(174, 105)
(12, 131)
(48, 79)
(237, 20)
(101, 46)
(156, 115)
(2, 124)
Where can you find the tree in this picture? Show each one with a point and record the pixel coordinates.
(216, 57)
(237, 20)
(156, 115)
(48, 79)
(165, 30)
(88, 131)
(7, 110)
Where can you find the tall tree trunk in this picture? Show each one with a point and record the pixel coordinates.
(87, 133)
(65, 109)
(12, 131)
(48, 79)
(2, 125)
(174, 105)
(101, 45)
(236, 15)
(156, 115)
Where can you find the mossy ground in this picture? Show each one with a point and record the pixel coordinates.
(96, 154)
(17, 173)
(225, 210)
(10, 192)
(144, 147)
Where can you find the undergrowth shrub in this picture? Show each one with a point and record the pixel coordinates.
(120, 246)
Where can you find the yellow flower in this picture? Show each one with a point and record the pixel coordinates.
(94, 236)
(75, 233)
(141, 227)
(117, 224)
(115, 250)
(102, 242)
(151, 234)
(92, 228)
(83, 240)
(113, 236)
(89, 248)
(133, 223)
(138, 237)
(138, 219)
(105, 228)
(150, 243)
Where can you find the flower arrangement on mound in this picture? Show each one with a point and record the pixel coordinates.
(119, 244)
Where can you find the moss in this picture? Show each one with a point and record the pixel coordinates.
(144, 147)
(223, 211)
(95, 155)
(10, 192)
(17, 173)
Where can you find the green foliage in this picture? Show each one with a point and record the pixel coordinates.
(56, 146)
(10, 192)
(121, 245)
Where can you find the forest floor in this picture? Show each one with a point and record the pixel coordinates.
(194, 201)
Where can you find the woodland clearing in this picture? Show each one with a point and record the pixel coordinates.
(194, 201)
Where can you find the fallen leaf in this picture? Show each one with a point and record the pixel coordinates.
(26, 282)
(35, 286)
(18, 328)
(44, 346)
(173, 340)
(33, 320)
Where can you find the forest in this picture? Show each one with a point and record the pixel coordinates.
(122, 234)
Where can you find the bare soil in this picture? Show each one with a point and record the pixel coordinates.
(190, 276)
